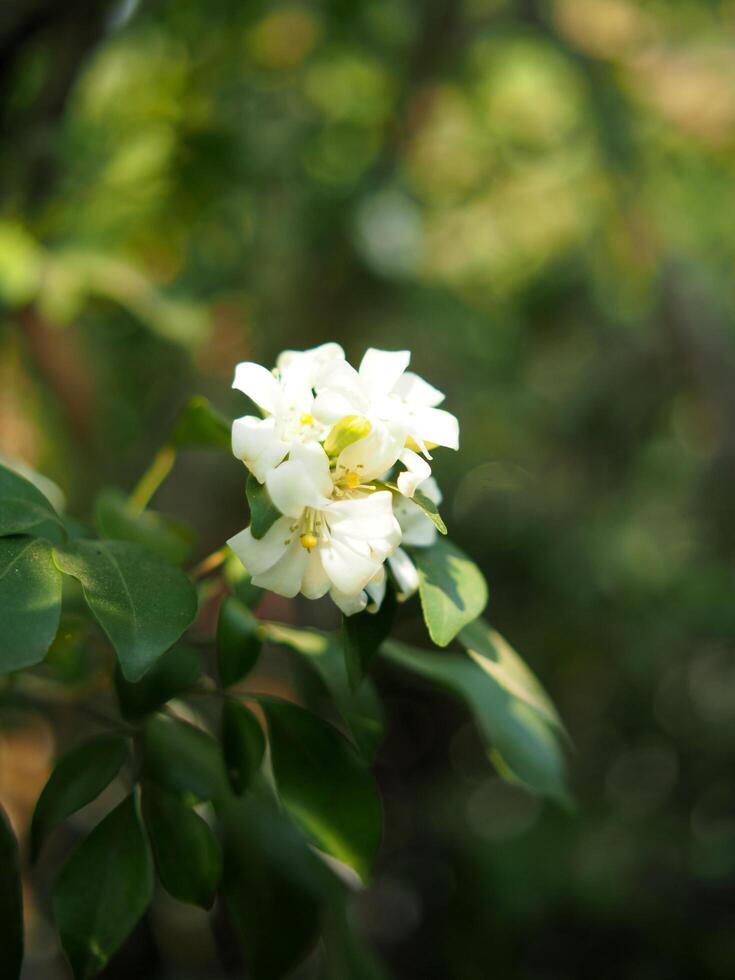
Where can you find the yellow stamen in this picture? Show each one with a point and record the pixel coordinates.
(308, 541)
(306, 419)
(351, 480)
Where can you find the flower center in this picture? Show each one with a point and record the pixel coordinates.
(308, 541)
(306, 419)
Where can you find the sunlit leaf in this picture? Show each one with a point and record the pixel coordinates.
(143, 603)
(186, 852)
(164, 535)
(452, 588)
(103, 890)
(238, 641)
(431, 509)
(263, 512)
(25, 510)
(324, 784)
(175, 672)
(30, 601)
(77, 779)
(243, 744)
(524, 739)
(11, 902)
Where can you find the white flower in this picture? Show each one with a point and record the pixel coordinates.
(383, 390)
(334, 535)
(417, 531)
(286, 397)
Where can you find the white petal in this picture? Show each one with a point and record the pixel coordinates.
(257, 555)
(259, 385)
(349, 571)
(315, 582)
(301, 481)
(416, 472)
(349, 604)
(420, 531)
(316, 463)
(404, 572)
(414, 390)
(376, 590)
(255, 442)
(381, 369)
(285, 577)
(435, 425)
(375, 454)
(365, 518)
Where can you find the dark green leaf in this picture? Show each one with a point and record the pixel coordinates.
(243, 744)
(238, 641)
(103, 890)
(77, 778)
(25, 510)
(324, 784)
(200, 426)
(273, 887)
(186, 852)
(525, 741)
(161, 534)
(263, 512)
(68, 660)
(363, 634)
(183, 758)
(360, 710)
(346, 954)
(175, 671)
(452, 588)
(142, 603)
(11, 902)
(30, 601)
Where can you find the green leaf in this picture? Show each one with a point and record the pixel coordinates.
(141, 602)
(183, 759)
(429, 507)
(161, 534)
(243, 744)
(498, 659)
(360, 710)
(240, 583)
(186, 852)
(25, 510)
(11, 902)
(103, 890)
(525, 741)
(200, 426)
(363, 634)
(324, 785)
(263, 512)
(346, 954)
(452, 588)
(30, 601)
(273, 885)
(175, 671)
(238, 641)
(77, 778)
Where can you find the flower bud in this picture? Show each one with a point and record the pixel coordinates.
(349, 429)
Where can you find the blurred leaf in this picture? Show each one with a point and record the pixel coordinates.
(11, 902)
(239, 581)
(497, 658)
(507, 724)
(186, 852)
(452, 588)
(243, 744)
(103, 890)
(324, 785)
(200, 426)
(68, 660)
(238, 641)
(25, 510)
(363, 634)
(346, 954)
(273, 886)
(161, 534)
(175, 671)
(361, 710)
(30, 601)
(142, 603)
(78, 777)
(430, 508)
(263, 512)
(183, 759)
(21, 264)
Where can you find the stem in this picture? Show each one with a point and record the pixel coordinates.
(152, 479)
(208, 564)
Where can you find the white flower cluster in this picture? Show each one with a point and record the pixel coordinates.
(328, 439)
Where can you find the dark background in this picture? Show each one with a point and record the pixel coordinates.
(537, 199)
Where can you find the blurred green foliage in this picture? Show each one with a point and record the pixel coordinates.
(537, 199)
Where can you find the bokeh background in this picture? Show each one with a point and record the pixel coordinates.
(538, 200)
